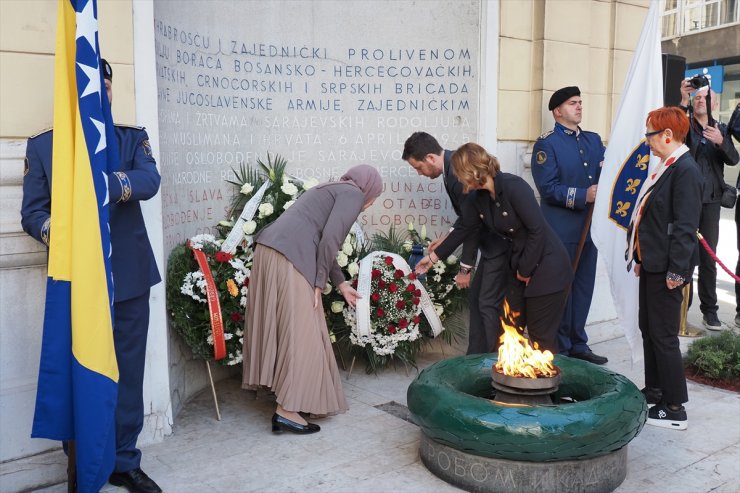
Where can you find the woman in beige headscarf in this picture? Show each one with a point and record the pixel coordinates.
(286, 343)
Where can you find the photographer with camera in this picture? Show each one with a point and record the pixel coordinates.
(712, 148)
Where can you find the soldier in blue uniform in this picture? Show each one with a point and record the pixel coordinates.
(566, 163)
(134, 272)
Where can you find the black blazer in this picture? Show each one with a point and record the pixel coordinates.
(667, 230)
(515, 217)
(490, 245)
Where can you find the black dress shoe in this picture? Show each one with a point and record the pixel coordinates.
(280, 424)
(135, 480)
(590, 357)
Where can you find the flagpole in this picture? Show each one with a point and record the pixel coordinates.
(71, 467)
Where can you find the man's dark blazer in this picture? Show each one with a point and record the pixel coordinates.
(490, 245)
(536, 250)
(667, 230)
(132, 259)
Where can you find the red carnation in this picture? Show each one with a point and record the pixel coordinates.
(417, 319)
(376, 273)
(354, 284)
(403, 323)
(400, 304)
(375, 297)
(417, 292)
(416, 301)
(393, 287)
(380, 312)
(410, 288)
(223, 257)
(381, 284)
(398, 274)
(246, 282)
(412, 276)
(392, 329)
(236, 317)
(389, 261)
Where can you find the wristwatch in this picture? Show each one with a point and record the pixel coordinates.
(465, 270)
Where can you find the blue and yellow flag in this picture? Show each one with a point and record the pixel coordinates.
(78, 373)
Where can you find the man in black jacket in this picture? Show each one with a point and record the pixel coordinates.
(426, 156)
(712, 148)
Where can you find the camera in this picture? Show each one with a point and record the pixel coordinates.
(699, 81)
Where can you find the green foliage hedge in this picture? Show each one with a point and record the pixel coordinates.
(716, 357)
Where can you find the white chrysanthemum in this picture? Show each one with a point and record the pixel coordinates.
(246, 189)
(265, 209)
(342, 259)
(439, 268)
(249, 227)
(437, 278)
(451, 260)
(226, 224)
(407, 246)
(199, 241)
(288, 204)
(337, 307)
(289, 188)
(353, 269)
(327, 288)
(347, 248)
(310, 183)
(439, 309)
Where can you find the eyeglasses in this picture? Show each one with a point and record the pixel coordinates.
(655, 132)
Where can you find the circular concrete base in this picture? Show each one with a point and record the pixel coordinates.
(483, 474)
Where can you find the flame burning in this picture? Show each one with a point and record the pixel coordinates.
(516, 357)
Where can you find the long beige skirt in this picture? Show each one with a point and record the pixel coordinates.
(286, 342)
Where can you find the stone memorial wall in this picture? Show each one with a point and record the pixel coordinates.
(324, 84)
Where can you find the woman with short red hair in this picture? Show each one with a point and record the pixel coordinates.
(663, 246)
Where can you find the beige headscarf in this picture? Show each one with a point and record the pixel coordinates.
(366, 178)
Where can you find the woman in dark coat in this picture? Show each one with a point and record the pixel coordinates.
(663, 246)
(504, 204)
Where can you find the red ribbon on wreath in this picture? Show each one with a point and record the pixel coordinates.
(214, 306)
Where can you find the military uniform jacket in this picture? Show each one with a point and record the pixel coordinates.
(514, 217)
(132, 259)
(711, 159)
(490, 245)
(565, 164)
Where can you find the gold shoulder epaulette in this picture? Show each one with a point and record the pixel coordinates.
(41, 132)
(135, 127)
(545, 135)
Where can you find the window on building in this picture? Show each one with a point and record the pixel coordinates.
(682, 17)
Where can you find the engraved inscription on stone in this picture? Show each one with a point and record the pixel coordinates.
(326, 85)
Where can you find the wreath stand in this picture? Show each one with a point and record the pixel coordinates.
(213, 390)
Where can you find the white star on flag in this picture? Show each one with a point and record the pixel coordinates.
(102, 143)
(93, 84)
(87, 25)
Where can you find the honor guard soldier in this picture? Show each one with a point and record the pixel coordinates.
(566, 163)
(134, 272)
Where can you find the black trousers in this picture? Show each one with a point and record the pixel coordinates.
(709, 228)
(737, 267)
(486, 295)
(660, 318)
(544, 314)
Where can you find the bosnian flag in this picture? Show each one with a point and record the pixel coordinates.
(626, 163)
(78, 374)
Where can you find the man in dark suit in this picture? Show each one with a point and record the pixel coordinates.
(426, 156)
(712, 148)
(133, 266)
(566, 164)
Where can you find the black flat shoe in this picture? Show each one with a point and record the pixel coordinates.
(135, 481)
(590, 357)
(281, 424)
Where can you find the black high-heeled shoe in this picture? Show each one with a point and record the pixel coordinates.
(281, 423)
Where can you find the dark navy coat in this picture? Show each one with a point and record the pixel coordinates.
(564, 165)
(132, 261)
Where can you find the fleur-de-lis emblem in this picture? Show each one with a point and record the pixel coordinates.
(632, 184)
(622, 208)
(642, 161)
